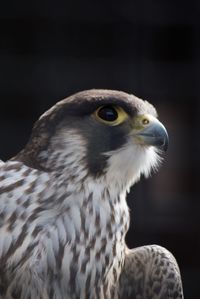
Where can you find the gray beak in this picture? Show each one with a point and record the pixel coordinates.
(152, 132)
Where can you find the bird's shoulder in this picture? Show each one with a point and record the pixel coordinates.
(18, 181)
(1, 163)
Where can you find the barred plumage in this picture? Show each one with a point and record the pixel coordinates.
(63, 211)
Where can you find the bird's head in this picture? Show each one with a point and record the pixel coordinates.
(98, 133)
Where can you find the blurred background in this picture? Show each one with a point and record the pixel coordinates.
(51, 49)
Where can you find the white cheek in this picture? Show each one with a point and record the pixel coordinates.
(126, 165)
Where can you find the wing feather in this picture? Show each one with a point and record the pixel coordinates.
(150, 272)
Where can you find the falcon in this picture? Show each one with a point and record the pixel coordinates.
(63, 210)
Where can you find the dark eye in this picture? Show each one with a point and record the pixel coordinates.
(108, 113)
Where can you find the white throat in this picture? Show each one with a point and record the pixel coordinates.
(126, 165)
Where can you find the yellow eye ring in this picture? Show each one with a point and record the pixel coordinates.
(110, 115)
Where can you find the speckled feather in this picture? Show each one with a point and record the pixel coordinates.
(64, 217)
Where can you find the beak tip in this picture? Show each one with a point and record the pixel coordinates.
(165, 144)
(162, 138)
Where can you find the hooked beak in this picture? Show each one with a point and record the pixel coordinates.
(148, 130)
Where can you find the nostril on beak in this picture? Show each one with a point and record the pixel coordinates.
(145, 121)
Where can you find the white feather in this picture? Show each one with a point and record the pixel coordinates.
(126, 165)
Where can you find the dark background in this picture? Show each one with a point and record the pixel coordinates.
(51, 49)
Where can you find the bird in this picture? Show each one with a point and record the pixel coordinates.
(63, 209)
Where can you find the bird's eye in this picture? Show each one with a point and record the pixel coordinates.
(111, 115)
(108, 113)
